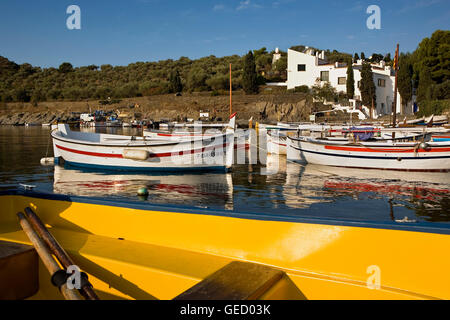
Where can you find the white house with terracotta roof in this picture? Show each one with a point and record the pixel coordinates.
(309, 67)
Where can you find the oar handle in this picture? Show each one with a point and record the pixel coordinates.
(86, 289)
(45, 255)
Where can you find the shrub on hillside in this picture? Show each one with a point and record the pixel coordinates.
(218, 82)
(325, 92)
(436, 107)
(21, 95)
(301, 89)
(440, 91)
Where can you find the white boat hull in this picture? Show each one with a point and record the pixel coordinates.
(391, 156)
(116, 152)
(276, 144)
(241, 137)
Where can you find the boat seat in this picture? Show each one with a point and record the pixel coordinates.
(19, 270)
(235, 281)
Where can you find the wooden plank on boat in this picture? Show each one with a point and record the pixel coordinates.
(19, 271)
(236, 281)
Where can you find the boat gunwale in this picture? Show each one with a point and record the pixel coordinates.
(134, 145)
(372, 144)
(422, 227)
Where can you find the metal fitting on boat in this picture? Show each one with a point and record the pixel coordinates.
(424, 146)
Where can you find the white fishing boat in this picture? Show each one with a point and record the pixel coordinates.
(279, 126)
(119, 152)
(437, 120)
(276, 142)
(174, 135)
(391, 155)
(375, 133)
(241, 136)
(426, 121)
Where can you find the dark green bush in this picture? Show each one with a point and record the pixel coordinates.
(440, 91)
(436, 107)
(302, 89)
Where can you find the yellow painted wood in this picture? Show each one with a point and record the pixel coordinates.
(165, 253)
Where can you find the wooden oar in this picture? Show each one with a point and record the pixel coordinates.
(86, 288)
(45, 255)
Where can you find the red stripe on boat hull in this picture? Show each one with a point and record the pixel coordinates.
(364, 149)
(154, 155)
(394, 169)
(87, 153)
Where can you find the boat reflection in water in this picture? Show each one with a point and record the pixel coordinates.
(362, 194)
(203, 189)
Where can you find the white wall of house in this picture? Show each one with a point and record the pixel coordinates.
(276, 56)
(309, 67)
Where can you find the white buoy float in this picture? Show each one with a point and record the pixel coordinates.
(135, 154)
(48, 161)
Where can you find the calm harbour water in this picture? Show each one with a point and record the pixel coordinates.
(280, 186)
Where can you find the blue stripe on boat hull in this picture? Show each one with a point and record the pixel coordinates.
(147, 169)
(441, 139)
(368, 157)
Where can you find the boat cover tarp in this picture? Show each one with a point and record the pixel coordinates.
(361, 134)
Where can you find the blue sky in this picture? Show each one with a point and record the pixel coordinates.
(122, 32)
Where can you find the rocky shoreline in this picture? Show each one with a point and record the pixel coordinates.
(37, 118)
(268, 108)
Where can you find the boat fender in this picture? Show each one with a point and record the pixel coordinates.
(48, 160)
(134, 154)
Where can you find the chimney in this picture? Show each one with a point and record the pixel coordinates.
(322, 55)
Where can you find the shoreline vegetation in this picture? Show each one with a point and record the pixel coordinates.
(177, 89)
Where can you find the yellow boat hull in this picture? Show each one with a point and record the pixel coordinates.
(142, 251)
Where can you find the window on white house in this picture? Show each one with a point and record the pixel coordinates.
(359, 84)
(301, 67)
(324, 75)
(342, 80)
(381, 82)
